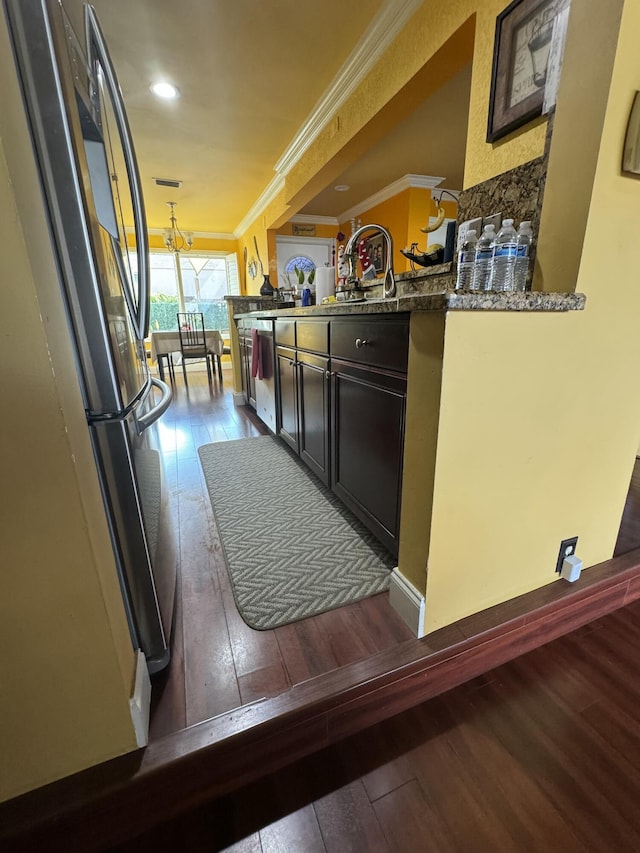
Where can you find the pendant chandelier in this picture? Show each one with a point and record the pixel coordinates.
(174, 239)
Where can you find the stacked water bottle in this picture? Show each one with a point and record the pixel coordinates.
(496, 262)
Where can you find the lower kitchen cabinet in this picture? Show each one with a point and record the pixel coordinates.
(368, 420)
(287, 396)
(246, 356)
(303, 406)
(313, 413)
(341, 401)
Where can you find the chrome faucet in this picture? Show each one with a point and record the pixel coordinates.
(351, 253)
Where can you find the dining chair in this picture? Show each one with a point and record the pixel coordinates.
(193, 343)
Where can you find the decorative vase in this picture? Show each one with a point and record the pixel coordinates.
(267, 288)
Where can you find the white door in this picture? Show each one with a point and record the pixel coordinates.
(316, 250)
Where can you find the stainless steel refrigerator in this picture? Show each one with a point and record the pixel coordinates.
(91, 190)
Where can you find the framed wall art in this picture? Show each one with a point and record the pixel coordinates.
(522, 46)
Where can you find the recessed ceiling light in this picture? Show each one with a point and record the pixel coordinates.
(342, 188)
(165, 90)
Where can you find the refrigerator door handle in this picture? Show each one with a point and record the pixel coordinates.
(145, 421)
(96, 39)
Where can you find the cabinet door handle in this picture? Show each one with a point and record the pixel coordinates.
(328, 374)
(361, 343)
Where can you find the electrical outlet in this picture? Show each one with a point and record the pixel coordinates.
(567, 549)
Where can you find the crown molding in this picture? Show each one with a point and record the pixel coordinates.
(383, 29)
(404, 183)
(309, 219)
(205, 235)
(271, 191)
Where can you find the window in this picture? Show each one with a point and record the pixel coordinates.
(298, 262)
(203, 283)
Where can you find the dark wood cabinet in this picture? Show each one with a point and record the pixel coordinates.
(287, 396)
(369, 358)
(368, 408)
(246, 355)
(341, 402)
(313, 413)
(303, 395)
(246, 352)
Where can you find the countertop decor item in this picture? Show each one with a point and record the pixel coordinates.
(267, 288)
(424, 259)
(523, 41)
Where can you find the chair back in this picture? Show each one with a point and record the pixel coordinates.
(191, 330)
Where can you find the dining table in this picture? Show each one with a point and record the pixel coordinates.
(166, 345)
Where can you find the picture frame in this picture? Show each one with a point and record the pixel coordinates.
(522, 45)
(377, 250)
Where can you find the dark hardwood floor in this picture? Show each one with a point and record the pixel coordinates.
(515, 729)
(540, 754)
(219, 663)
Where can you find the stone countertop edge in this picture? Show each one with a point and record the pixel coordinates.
(531, 300)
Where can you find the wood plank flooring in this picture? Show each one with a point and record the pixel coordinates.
(541, 753)
(219, 663)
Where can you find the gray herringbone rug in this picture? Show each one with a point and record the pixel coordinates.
(292, 549)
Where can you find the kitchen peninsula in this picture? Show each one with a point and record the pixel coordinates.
(482, 513)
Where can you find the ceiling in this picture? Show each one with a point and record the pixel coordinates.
(250, 74)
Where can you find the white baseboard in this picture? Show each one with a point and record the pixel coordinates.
(408, 602)
(140, 702)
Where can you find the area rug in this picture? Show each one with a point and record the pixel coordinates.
(292, 548)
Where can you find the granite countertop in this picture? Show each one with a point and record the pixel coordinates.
(445, 300)
(427, 289)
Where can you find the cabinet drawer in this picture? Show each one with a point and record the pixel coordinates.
(380, 343)
(313, 335)
(285, 332)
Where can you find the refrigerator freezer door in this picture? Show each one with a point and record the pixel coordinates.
(130, 462)
(91, 185)
(121, 184)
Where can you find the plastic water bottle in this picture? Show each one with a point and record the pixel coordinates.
(482, 264)
(466, 261)
(503, 263)
(524, 239)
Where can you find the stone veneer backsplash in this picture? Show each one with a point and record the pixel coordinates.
(516, 194)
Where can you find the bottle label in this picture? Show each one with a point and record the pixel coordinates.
(467, 257)
(505, 250)
(523, 251)
(484, 254)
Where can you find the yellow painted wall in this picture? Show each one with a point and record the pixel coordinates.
(403, 215)
(437, 41)
(420, 208)
(538, 429)
(582, 101)
(67, 662)
(200, 244)
(392, 214)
